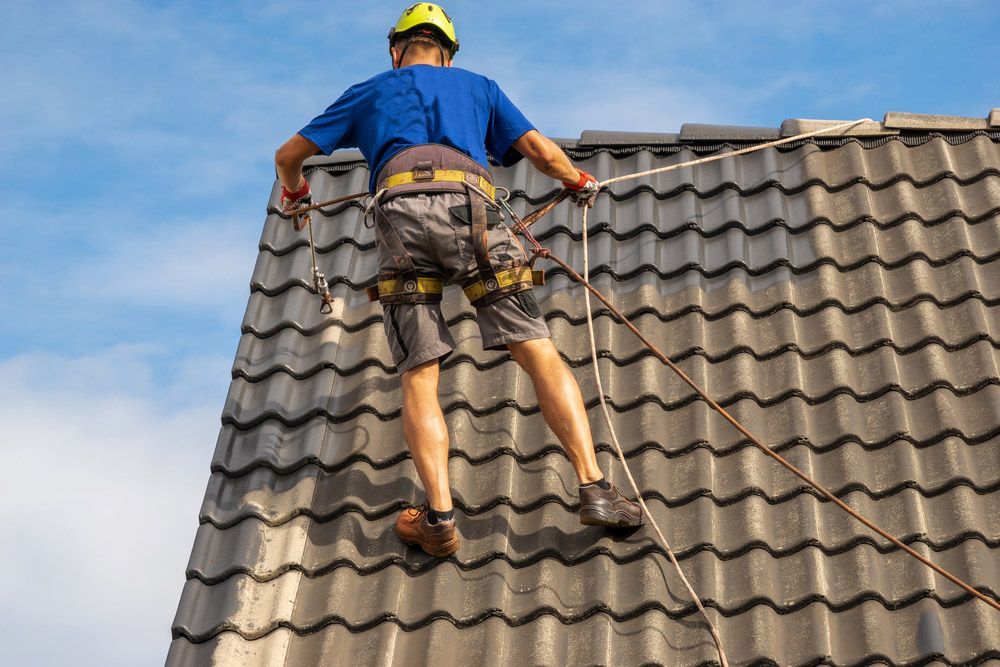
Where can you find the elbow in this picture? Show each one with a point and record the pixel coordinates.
(544, 158)
(291, 155)
(282, 159)
(543, 153)
(551, 164)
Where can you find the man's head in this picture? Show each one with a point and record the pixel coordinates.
(423, 34)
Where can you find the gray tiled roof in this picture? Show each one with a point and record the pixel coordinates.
(839, 296)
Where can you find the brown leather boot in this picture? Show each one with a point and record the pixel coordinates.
(608, 508)
(441, 539)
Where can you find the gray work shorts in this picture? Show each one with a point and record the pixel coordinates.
(440, 243)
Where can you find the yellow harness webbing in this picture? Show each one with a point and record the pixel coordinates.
(505, 278)
(435, 286)
(440, 176)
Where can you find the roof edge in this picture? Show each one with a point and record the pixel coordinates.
(693, 132)
(899, 120)
(791, 127)
(594, 138)
(348, 156)
(894, 123)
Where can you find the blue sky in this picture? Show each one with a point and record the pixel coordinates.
(136, 146)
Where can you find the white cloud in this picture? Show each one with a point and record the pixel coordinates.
(205, 265)
(155, 91)
(106, 468)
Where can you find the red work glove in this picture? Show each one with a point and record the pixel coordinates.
(585, 190)
(298, 199)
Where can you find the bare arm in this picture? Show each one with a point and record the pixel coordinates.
(289, 158)
(546, 156)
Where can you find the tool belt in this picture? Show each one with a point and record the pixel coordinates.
(437, 168)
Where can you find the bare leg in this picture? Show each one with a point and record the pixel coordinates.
(561, 403)
(426, 433)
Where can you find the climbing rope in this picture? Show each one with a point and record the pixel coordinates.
(538, 251)
(621, 455)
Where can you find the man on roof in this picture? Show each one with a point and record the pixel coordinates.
(424, 128)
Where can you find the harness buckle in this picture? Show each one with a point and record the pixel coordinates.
(424, 171)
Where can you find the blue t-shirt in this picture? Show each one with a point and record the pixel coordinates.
(421, 104)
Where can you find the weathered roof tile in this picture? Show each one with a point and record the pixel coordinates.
(840, 297)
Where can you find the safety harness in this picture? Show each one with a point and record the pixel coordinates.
(438, 168)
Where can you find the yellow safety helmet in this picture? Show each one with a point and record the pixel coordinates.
(429, 15)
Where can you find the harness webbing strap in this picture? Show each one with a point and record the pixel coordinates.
(431, 288)
(439, 176)
(425, 284)
(491, 286)
(428, 289)
(520, 276)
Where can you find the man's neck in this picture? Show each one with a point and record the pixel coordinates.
(434, 62)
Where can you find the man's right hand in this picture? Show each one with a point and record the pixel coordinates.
(585, 190)
(298, 199)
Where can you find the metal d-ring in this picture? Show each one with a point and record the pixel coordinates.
(370, 203)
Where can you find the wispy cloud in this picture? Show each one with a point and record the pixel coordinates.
(128, 85)
(84, 281)
(100, 502)
(204, 266)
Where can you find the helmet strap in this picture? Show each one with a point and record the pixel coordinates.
(406, 45)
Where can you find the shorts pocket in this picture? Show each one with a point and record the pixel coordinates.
(397, 346)
(464, 214)
(500, 246)
(529, 303)
(462, 223)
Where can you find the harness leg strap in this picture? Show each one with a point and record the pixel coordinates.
(405, 275)
(493, 284)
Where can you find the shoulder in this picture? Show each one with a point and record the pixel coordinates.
(373, 81)
(470, 76)
(477, 81)
(360, 93)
